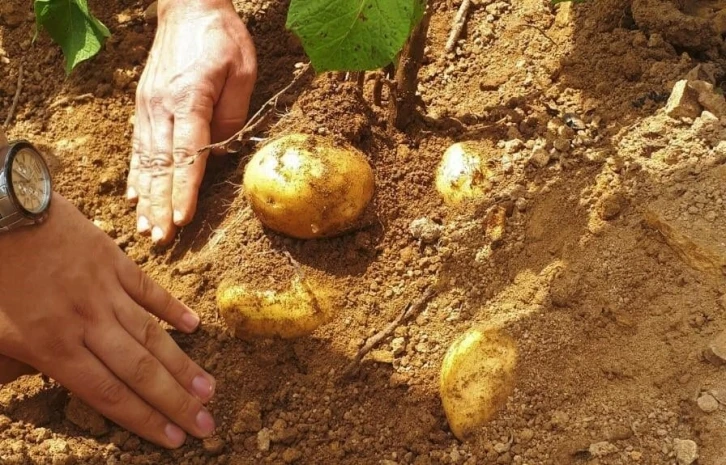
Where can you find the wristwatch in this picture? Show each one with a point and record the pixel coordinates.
(25, 185)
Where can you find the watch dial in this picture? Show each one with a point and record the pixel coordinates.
(31, 181)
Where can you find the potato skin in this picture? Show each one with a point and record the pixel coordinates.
(462, 174)
(477, 376)
(253, 314)
(304, 187)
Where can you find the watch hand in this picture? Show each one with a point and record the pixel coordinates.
(20, 173)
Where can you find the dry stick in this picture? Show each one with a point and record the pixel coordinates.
(16, 98)
(541, 31)
(458, 26)
(410, 310)
(257, 121)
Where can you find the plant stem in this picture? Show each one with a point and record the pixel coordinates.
(402, 104)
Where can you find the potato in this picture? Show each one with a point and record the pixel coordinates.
(462, 173)
(296, 312)
(477, 376)
(305, 187)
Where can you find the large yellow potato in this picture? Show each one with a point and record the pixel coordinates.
(305, 187)
(462, 173)
(254, 313)
(477, 376)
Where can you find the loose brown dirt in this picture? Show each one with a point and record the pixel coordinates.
(609, 272)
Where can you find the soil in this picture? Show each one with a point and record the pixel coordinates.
(607, 267)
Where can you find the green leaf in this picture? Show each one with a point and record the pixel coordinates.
(72, 26)
(353, 35)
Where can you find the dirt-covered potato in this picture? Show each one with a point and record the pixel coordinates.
(462, 173)
(254, 313)
(477, 376)
(306, 187)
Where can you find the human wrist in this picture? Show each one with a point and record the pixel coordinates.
(167, 6)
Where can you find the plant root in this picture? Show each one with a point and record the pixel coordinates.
(458, 26)
(411, 310)
(16, 98)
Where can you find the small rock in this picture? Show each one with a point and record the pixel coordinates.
(263, 440)
(106, 226)
(601, 449)
(85, 417)
(526, 435)
(716, 352)
(709, 98)
(425, 230)
(249, 419)
(213, 446)
(611, 206)
(561, 144)
(686, 451)
(398, 346)
(382, 356)
(707, 403)
(5, 423)
(291, 455)
(57, 446)
(151, 13)
(540, 157)
(512, 146)
(618, 433)
(683, 101)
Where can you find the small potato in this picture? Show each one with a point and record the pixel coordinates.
(305, 187)
(477, 376)
(252, 313)
(462, 173)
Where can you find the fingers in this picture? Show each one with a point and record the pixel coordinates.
(147, 377)
(230, 112)
(147, 332)
(11, 369)
(152, 297)
(191, 132)
(161, 168)
(86, 376)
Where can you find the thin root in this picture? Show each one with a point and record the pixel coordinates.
(16, 98)
(255, 124)
(411, 310)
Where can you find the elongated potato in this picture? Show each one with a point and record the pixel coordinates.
(462, 173)
(298, 311)
(477, 376)
(305, 187)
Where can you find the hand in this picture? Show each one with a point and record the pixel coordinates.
(195, 88)
(74, 307)
(10, 369)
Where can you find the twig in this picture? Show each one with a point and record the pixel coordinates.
(458, 26)
(255, 123)
(65, 100)
(541, 31)
(409, 311)
(16, 98)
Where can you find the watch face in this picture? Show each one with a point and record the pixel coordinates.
(30, 180)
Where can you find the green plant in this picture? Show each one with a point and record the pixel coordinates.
(72, 26)
(365, 35)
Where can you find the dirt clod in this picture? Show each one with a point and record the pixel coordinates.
(213, 446)
(686, 451)
(84, 417)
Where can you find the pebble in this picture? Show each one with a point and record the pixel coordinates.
(57, 446)
(398, 346)
(601, 449)
(425, 230)
(611, 206)
(686, 451)
(249, 419)
(291, 455)
(263, 440)
(213, 446)
(540, 157)
(561, 144)
(707, 403)
(85, 417)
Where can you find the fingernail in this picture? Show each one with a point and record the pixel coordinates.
(202, 387)
(190, 321)
(157, 234)
(205, 422)
(175, 434)
(131, 193)
(143, 224)
(178, 217)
